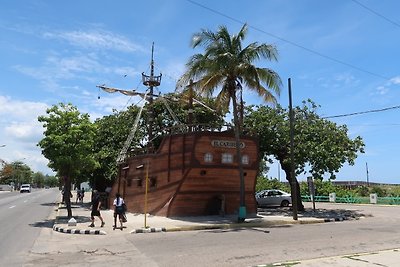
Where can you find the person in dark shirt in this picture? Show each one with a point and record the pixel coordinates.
(96, 204)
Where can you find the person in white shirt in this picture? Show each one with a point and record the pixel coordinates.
(119, 209)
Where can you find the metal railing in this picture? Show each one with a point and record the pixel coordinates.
(354, 199)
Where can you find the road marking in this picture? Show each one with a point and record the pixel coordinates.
(12, 207)
(25, 201)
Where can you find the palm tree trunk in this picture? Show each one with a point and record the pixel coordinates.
(242, 203)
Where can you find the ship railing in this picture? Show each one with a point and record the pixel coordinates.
(181, 129)
(199, 128)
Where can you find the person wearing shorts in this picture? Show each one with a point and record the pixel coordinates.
(96, 204)
(118, 210)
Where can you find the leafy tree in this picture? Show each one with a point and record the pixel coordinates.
(68, 144)
(16, 173)
(51, 181)
(164, 121)
(227, 65)
(112, 131)
(320, 145)
(38, 179)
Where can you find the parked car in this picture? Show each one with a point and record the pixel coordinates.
(273, 197)
(25, 188)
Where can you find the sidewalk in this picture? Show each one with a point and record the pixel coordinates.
(388, 258)
(139, 223)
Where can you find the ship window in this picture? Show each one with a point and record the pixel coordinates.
(208, 157)
(139, 182)
(245, 159)
(153, 181)
(227, 158)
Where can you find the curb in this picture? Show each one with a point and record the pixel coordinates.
(149, 230)
(77, 231)
(340, 219)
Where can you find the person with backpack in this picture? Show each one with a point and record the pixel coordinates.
(119, 210)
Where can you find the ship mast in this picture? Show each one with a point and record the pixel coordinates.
(151, 82)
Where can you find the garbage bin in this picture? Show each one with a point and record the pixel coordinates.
(373, 198)
(332, 197)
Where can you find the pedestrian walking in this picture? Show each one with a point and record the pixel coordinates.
(96, 204)
(119, 210)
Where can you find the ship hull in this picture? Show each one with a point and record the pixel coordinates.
(191, 174)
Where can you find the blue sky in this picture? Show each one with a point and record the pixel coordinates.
(342, 54)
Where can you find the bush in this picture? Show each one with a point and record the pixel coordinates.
(362, 191)
(380, 191)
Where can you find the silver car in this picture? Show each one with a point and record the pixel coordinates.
(273, 197)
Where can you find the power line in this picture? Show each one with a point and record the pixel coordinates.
(291, 42)
(377, 14)
(361, 112)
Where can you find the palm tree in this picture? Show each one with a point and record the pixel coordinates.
(227, 65)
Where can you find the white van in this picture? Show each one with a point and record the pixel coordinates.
(25, 188)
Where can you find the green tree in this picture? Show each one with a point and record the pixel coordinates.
(227, 65)
(16, 173)
(320, 145)
(38, 179)
(68, 144)
(112, 131)
(51, 181)
(164, 121)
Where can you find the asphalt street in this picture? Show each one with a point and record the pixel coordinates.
(22, 216)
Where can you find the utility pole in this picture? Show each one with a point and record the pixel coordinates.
(366, 166)
(293, 184)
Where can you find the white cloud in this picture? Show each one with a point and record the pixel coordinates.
(346, 78)
(20, 131)
(381, 90)
(56, 69)
(395, 80)
(96, 40)
(20, 110)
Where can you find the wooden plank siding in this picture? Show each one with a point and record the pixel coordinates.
(181, 183)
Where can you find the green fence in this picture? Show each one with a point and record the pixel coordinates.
(389, 200)
(355, 200)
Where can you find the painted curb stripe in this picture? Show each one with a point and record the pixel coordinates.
(76, 231)
(149, 230)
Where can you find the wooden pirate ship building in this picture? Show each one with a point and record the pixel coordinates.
(193, 172)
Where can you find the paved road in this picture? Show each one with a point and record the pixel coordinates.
(22, 216)
(231, 247)
(250, 247)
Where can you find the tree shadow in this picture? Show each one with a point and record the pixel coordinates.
(48, 204)
(43, 224)
(309, 212)
(79, 219)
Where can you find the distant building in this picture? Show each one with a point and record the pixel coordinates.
(354, 184)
